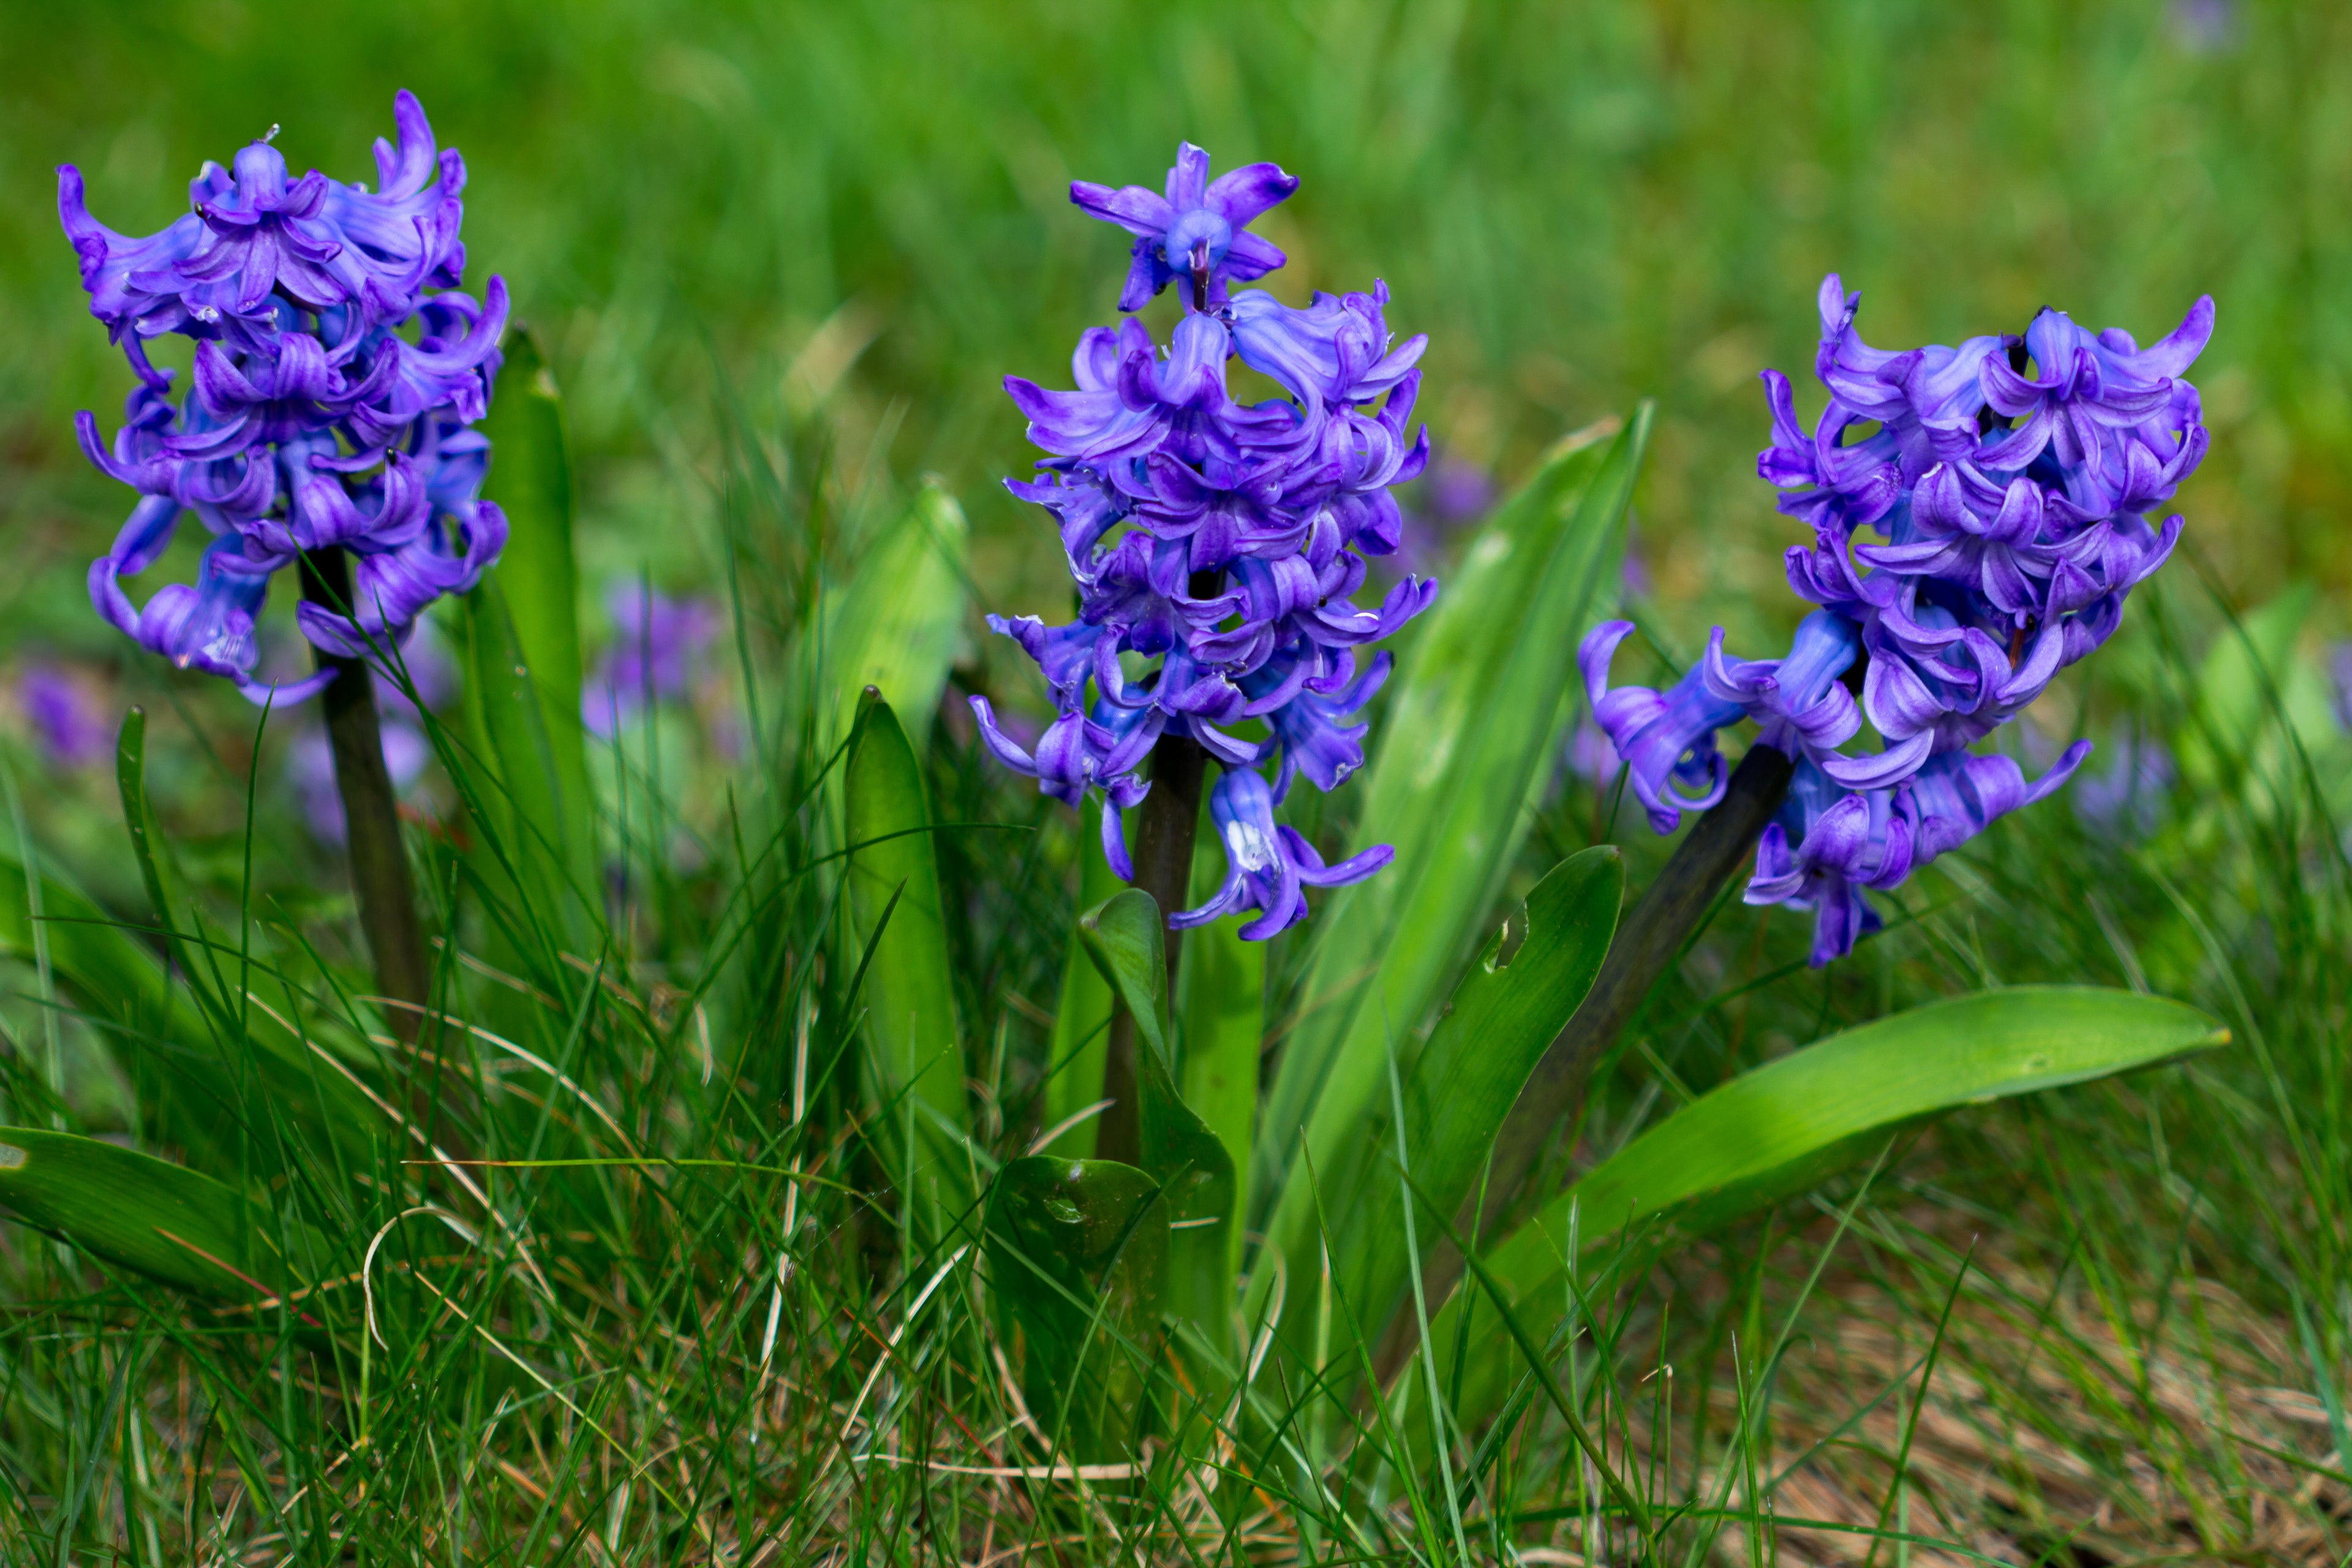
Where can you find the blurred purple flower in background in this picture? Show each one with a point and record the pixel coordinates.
(312, 763)
(2010, 477)
(2205, 26)
(2339, 668)
(1450, 494)
(657, 645)
(2125, 799)
(69, 722)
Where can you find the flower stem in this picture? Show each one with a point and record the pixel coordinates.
(387, 900)
(1163, 867)
(1649, 940)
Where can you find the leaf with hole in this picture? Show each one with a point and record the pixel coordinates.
(1469, 736)
(1079, 1252)
(1180, 1152)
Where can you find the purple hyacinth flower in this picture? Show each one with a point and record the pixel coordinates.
(1667, 741)
(2087, 388)
(2011, 481)
(1268, 864)
(1797, 699)
(310, 421)
(1198, 230)
(1958, 795)
(71, 725)
(1843, 843)
(1217, 548)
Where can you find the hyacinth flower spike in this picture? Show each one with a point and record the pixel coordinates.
(339, 368)
(1217, 548)
(2007, 483)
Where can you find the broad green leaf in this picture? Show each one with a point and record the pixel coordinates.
(1469, 737)
(217, 1098)
(1180, 1152)
(894, 625)
(1123, 937)
(1518, 994)
(521, 628)
(169, 1223)
(1773, 1132)
(1077, 1250)
(1082, 1025)
(909, 998)
(1221, 1027)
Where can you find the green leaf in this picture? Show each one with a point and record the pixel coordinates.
(1464, 1082)
(521, 628)
(1123, 937)
(1776, 1132)
(1222, 1029)
(909, 997)
(1180, 1151)
(1081, 1040)
(894, 625)
(171, 1224)
(1077, 1250)
(218, 1095)
(1468, 740)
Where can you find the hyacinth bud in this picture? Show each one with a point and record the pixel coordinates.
(339, 370)
(1224, 540)
(2009, 479)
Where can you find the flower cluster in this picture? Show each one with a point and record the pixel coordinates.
(310, 420)
(2011, 479)
(1222, 540)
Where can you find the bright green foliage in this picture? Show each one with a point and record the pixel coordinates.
(1081, 1037)
(1459, 1086)
(165, 1221)
(1482, 694)
(1179, 1150)
(894, 626)
(895, 928)
(206, 1068)
(1079, 1250)
(1221, 1026)
(1788, 1126)
(522, 636)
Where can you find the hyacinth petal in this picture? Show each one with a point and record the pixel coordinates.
(2173, 353)
(1241, 194)
(1898, 761)
(1133, 207)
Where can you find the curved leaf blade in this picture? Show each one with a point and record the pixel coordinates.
(1771, 1133)
(1468, 737)
(909, 998)
(1463, 1084)
(173, 1224)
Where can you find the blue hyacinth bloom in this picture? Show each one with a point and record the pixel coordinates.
(2009, 480)
(1217, 546)
(339, 370)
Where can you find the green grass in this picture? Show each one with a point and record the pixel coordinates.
(781, 257)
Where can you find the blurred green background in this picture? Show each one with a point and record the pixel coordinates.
(1582, 203)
